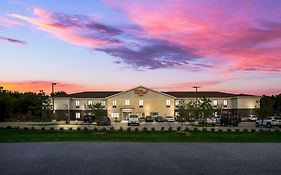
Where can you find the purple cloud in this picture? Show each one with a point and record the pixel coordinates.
(11, 40)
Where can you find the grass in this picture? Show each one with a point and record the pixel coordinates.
(18, 135)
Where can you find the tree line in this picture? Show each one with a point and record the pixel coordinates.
(269, 106)
(16, 106)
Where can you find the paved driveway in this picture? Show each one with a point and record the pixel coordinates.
(140, 158)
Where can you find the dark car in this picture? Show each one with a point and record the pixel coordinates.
(88, 118)
(103, 121)
(159, 119)
(149, 119)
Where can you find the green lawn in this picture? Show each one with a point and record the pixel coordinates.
(19, 135)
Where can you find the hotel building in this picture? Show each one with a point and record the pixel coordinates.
(143, 101)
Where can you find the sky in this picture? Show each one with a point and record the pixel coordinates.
(167, 45)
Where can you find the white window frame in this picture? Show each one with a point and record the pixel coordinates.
(215, 102)
(115, 115)
(114, 103)
(168, 103)
(77, 103)
(127, 102)
(77, 115)
(102, 102)
(225, 102)
(90, 102)
(141, 102)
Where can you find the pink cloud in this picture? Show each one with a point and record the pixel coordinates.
(215, 30)
(8, 22)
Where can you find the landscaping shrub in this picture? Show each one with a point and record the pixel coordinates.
(111, 128)
(25, 128)
(17, 127)
(144, 129)
(103, 129)
(136, 129)
(170, 129)
(120, 129)
(204, 129)
(95, 129)
(70, 128)
(220, 130)
(178, 128)
(43, 128)
(52, 128)
(195, 129)
(237, 130)
(9, 127)
(162, 128)
(276, 130)
(129, 129)
(32, 128)
(78, 129)
(253, 130)
(85, 129)
(186, 129)
(152, 129)
(245, 130)
(213, 129)
(229, 130)
(61, 128)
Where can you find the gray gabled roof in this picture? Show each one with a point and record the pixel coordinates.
(192, 94)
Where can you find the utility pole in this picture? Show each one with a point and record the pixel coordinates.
(53, 98)
(196, 96)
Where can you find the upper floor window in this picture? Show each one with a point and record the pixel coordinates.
(90, 103)
(225, 103)
(77, 104)
(168, 103)
(127, 102)
(114, 103)
(102, 103)
(215, 103)
(140, 103)
(177, 103)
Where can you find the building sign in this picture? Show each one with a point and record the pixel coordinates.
(141, 92)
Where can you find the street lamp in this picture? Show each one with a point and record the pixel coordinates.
(196, 89)
(53, 98)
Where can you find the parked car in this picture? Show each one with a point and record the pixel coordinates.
(159, 119)
(149, 119)
(88, 118)
(103, 121)
(169, 119)
(211, 121)
(269, 122)
(180, 119)
(133, 120)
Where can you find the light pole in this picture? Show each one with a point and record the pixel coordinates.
(196, 89)
(53, 98)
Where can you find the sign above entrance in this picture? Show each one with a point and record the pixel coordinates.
(141, 92)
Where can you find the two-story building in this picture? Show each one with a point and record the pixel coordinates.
(143, 101)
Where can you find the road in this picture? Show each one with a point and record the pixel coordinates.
(140, 158)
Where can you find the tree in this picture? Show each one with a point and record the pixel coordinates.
(98, 111)
(266, 108)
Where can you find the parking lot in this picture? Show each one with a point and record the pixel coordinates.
(139, 158)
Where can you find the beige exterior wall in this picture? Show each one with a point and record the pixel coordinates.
(245, 102)
(152, 102)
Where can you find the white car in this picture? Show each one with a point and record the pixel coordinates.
(269, 122)
(169, 119)
(133, 120)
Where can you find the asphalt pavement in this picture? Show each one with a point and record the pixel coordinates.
(140, 158)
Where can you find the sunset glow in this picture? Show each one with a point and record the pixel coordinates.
(220, 45)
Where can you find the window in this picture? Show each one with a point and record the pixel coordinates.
(114, 115)
(77, 104)
(114, 103)
(225, 103)
(77, 115)
(127, 102)
(215, 103)
(102, 103)
(168, 103)
(90, 103)
(177, 103)
(141, 103)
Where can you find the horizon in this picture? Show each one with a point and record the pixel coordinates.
(110, 45)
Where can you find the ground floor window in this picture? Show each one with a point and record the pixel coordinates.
(77, 115)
